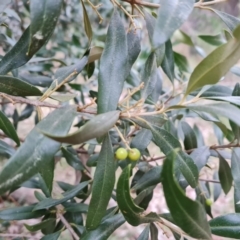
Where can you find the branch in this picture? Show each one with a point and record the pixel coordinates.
(213, 147)
(14, 99)
(68, 226)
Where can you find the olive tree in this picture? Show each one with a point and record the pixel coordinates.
(121, 91)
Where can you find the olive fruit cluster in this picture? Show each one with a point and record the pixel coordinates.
(133, 154)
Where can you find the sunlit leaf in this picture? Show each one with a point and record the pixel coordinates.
(216, 64)
(87, 23)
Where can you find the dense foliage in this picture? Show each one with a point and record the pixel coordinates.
(102, 97)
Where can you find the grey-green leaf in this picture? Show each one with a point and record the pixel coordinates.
(171, 15)
(235, 168)
(149, 76)
(103, 184)
(187, 214)
(36, 149)
(17, 87)
(225, 175)
(44, 17)
(168, 61)
(226, 226)
(6, 150)
(113, 65)
(190, 139)
(50, 202)
(7, 127)
(94, 128)
(105, 229)
(167, 143)
(20, 213)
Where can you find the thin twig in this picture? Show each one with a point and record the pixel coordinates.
(27, 101)
(68, 226)
(213, 147)
(209, 180)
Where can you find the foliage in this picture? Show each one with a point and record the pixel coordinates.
(116, 90)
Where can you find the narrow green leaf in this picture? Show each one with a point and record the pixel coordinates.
(145, 121)
(7, 127)
(187, 214)
(216, 64)
(149, 76)
(52, 236)
(171, 15)
(235, 127)
(44, 17)
(41, 81)
(168, 61)
(131, 212)
(145, 234)
(134, 48)
(226, 226)
(50, 202)
(225, 175)
(181, 62)
(230, 21)
(37, 150)
(215, 91)
(214, 40)
(87, 23)
(39, 226)
(114, 58)
(17, 87)
(235, 168)
(103, 184)
(105, 229)
(150, 178)
(219, 109)
(6, 150)
(17, 56)
(63, 97)
(167, 143)
(75, 207)
(190, 140)
(20, 213)
(150, 24)
(94, 128)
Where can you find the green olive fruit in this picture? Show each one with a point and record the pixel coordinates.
(134, 154)
(121, 154)
(209, 202)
